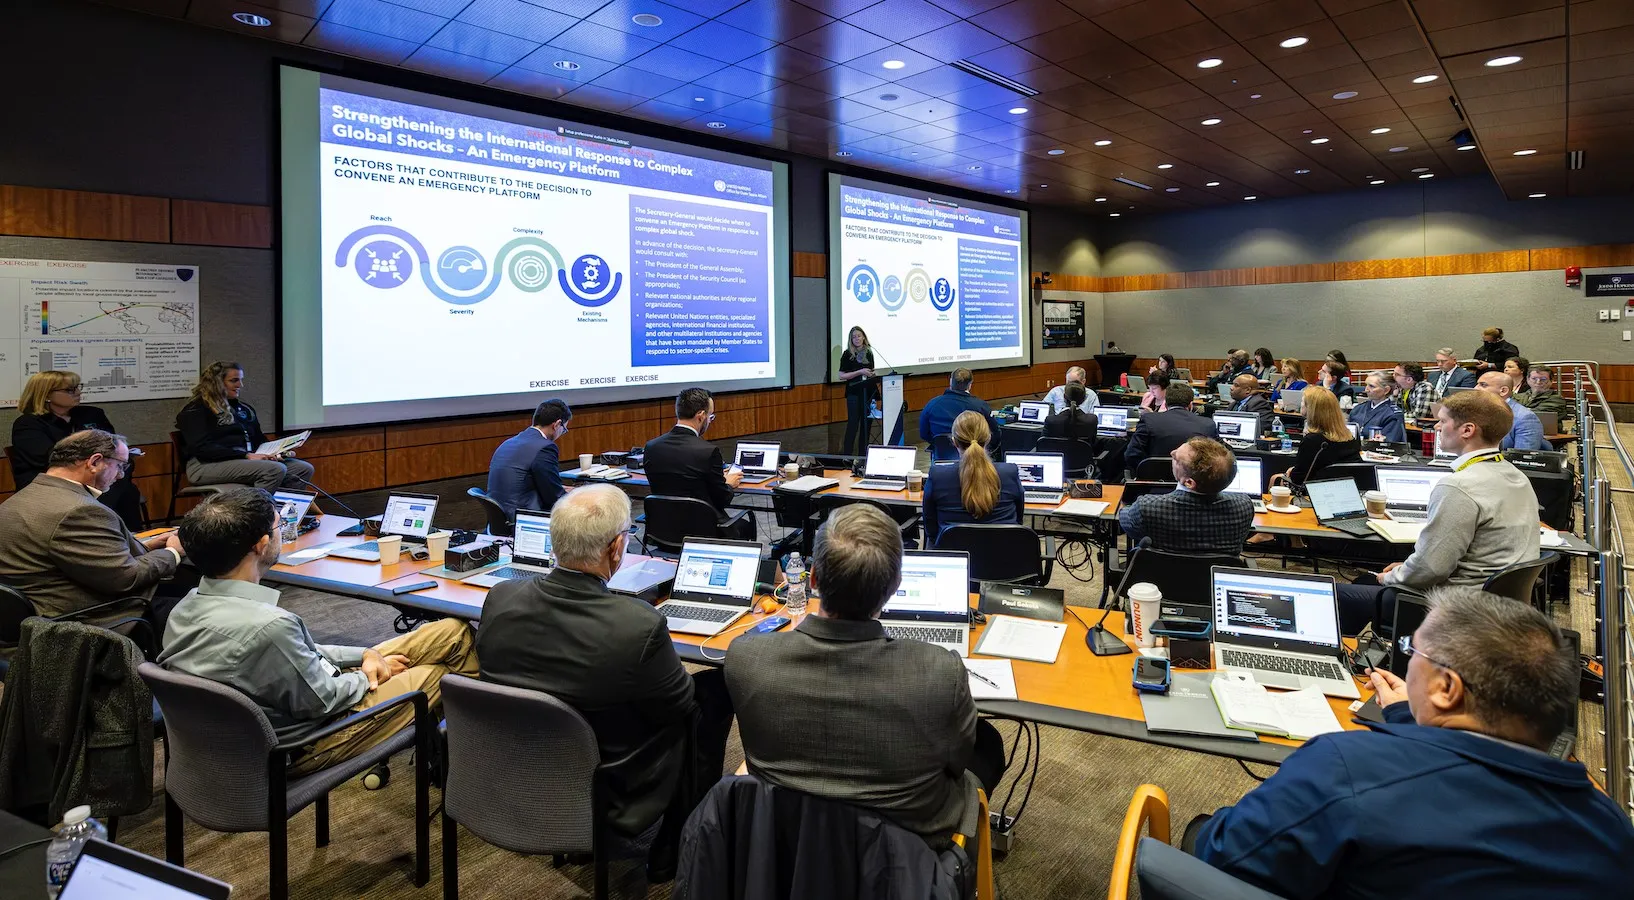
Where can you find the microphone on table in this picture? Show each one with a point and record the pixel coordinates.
(1102, 642)
(330, 496)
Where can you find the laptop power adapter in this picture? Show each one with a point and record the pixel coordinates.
(1003, 832)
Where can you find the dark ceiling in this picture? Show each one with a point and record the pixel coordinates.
(1124, 87)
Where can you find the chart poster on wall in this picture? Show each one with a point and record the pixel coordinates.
(936, 282)
(1063, 324)
(129, 330)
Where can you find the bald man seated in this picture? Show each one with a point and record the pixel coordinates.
(1527, 432)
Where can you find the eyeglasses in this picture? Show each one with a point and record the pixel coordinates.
(1405, 642)
(124, 464)
(76, 389)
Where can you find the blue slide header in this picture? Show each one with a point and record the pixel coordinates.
(920, 212)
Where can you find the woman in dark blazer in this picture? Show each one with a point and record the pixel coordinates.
(857, 371)
(1073, 422)
(50, 411)
(1327, 438)
(974, 490)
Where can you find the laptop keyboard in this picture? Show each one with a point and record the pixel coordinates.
(510, 572)
(1357, 527)
(929, 635)
(1409, 515)
(1288, 665)
(698, 613)
(1051, 497)
(867, 485)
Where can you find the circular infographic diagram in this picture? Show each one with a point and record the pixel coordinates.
(529, 271)
(384, 264)
(863, 283)
(941, 294)
(890, 293)
(592, 280)
(918, 284)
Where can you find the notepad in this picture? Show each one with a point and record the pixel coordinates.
(1548, 537)
(283, 445)
(1027, 639)
(998, 671)
(1188, 708)
(309, 554)
(1089, 509)
(1397, 532)
(808, 484)
(1246, 705)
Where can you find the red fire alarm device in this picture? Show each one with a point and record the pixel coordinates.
(1574, 276)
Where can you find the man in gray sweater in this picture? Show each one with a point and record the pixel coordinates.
(1483, 517)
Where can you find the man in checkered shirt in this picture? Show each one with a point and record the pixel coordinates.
(1198, 516)
(1417, 395)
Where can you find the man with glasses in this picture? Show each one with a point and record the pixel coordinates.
(67, 552)
(525, 471)
(1449, 374)
(1454, 795)
(683, 464)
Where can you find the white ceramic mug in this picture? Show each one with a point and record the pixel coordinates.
(1282, 496)
(586, 460)
(1146, 604)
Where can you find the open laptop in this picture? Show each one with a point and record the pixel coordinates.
(1033, 412)
(1338, 504)
(1250, 478)
(1442, 457)
(1550, 422)
(1224, 390)
(887, 468)
(1237, 429)
(932, 604)
(1291, 400)
(714, 585)
(758, 460)
(530, 552)
(1407, 490)
(1112, 421)
(1180, 373)
(407, 515)
(1043, 476)
(1282, 627)
(110, 872)
(1137, 384)
(300, 500)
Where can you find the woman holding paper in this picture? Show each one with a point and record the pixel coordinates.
(857, 371)
(49, 411)
(220, 434)
(974, 490)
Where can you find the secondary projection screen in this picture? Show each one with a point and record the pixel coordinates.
(936, 282)
(446, 258)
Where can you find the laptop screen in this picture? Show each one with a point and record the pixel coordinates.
(1250, 479)
(758, 457)
(301, 501)
(1334, 498)
(931, 583)
(1034, 413)
(532, 536)
(1250, 603)
(889, 462)
(721, 570)
(1137, 383)
(1293, 399)
(408, 514)
(1224, 391)
(1180, 374)
(1112, 419)
(1044, 471)
(1236, 426)
(1409, 487)
(1355, 429)
(99, 875)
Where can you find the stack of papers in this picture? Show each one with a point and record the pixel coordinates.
(1016, 638)
(1089, 509)
(1548, 537)
(604, 473)
(1397, 532)
(808, 484)
(1245, 704)
(1188, 708)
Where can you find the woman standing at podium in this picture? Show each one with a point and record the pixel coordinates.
(857, 371)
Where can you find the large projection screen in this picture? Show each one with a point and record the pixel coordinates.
(936, 282)
(445, 258)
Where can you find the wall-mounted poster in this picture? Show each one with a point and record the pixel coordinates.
(1063, 324)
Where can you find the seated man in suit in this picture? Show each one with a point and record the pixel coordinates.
(1246, 396)
(1057, 396)
(683, 464)
(66, 551)
(1199, 516)
(525, 471)
(230, 630)
(938, 415)
(1449, 374)
(1238, 363)
(1455, 795)
(1158, 434)
(836, 709)
(610, 657)
(1377, 417)
(1072, 421)
(1527, 431)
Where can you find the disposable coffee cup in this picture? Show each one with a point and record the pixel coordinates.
(791, 470)
(1146, 601)
(391, 549)
(1375, 501)
(437, 546)
(916, 480)
(586, 460)
(1282, 496)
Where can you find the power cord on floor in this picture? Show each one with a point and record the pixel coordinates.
(1076, 556)
(1250, 772)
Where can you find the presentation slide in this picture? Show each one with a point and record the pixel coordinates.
(936, 282)
(446, 258)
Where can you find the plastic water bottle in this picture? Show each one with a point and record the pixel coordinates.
(794, 577)
(77, 827)
(289, 525)
(1276, 425)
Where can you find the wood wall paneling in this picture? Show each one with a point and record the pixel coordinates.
(343, 442)
(86, 215)
(1587, 257)
(350, 472)
(1404, 267)
(220, 224)
(809, 265)
(1477, 263)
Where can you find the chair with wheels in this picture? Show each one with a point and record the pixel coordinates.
(498, 522)
(227, 771)
(942, 448)
(1182, 577)
(797, 512)
(1365, 474)
(905, 517)
(1155, 468)
(177, 471)
(1019, 438)
(1002, 553)
(1079, 458)
(1518, 581)
(1148, 809)
(670, 521)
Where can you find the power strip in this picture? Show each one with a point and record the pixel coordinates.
(1003, 832)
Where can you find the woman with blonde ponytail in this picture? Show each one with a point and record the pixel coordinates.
(974, 489)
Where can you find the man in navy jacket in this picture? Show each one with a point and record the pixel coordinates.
(525, 472)
(1455, 795)
(938, 415)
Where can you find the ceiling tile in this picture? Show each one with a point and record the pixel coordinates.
(601, 42)
(900, 20)
(1009, 61)
(619, 15)
(1136, 21)
(720, 41)
(740, 81)
(470, 40)
(534, 84)
(785, 62)
(453, 65)
(839, 42)
(384, 18)
(1025, 18)
(779, 20)
(516, 18)
(676, 63)
(359, 43)
(960, 40)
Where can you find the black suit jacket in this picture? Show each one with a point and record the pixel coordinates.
(607, 655)
(1074, 423)
(1158, 434)
(682, 464)
(1260, 406)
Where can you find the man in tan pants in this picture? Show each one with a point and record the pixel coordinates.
(230, 630)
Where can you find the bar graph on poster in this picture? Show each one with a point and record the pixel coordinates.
(129, 330)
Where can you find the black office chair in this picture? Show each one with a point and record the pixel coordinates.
(942, 448)
(1019, 438)
(1005, 553)
(671, 521)
(178, 467)
(798, 512)
(1155, 468)
(1080, 458)
(1517, 581)
(498, 523)
(1182, 577)
(1365, 474)
(14, 608)
(905, 517)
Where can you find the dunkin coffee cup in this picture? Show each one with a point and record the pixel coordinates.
(1282, 496)
(1375, 501)
(391, 549)
(1146, 602)
(586, 460)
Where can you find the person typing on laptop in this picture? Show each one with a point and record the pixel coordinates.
(683, 464)
(836, 709)
(1200, 515)
(610, 657)
(1483, 516)
(1455, 795)
(525, 471)
(973, 490)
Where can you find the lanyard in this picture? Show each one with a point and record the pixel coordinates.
(1496, 456)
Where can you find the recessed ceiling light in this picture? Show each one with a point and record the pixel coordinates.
(1398, 149)
(568, 65)
(1497, 61)
(252, 20)
(843, 153)
(1113, 215)
(1212, 184)
(1344, 95)
(1427, 175)
(1377, 181)
(1302, 171)
(698, 100)
(1425, 79)
(1043, 185)
(1209, 63)
(975, 168)
(888, 98)
(1319, 140)
(1100, 199)
(1018, 110)
(1103, 142)
(1251, 197)
(1255, 96)
(715, 124)
(1165, 165)
(1211, 121)
(1537, 196)
(647, 20)
(1380, 131)
(1421, 169)
(913, 152)
(893, 64)
(1524, 152)
(1009, 190)
(1057, 152)
(1465, 147)
(1306, 131)
(1293, 42)
(1171, 190)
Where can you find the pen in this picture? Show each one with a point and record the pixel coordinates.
(983, 679)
